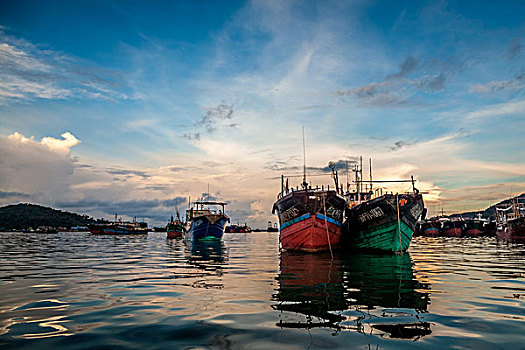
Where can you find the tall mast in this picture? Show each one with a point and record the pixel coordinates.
(304, 162)
(361, 172)
(370, 160)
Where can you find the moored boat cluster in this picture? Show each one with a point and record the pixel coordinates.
(508, 222)
(316, 219)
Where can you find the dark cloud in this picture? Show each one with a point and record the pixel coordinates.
(196, 136)
(208, 197)
(514, 49)
(432, 83)
(83, 166)
(174, 202)
(398, 90)
(401, 144)
(13, 194)
(379, 138)
(406, 67)
(338, 165)
(514, 84)
(152, 209)
(212, 120)
(114, 171)
(280, 166)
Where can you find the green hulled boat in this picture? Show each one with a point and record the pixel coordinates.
(385, 223)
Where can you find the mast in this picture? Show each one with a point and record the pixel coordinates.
(305, 185)
(361, 172)
(370, 161)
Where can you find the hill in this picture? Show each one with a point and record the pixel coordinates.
(490, 212)
(24, 215)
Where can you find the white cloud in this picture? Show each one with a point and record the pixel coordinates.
(30, 72)
(56, 145)
(506, 108)
(42, 169)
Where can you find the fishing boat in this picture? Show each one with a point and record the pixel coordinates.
(205, 222)
(310, 219)
(511, 220)
(238, 228)
(430, 227)
(271, 228)
(474, 227)
(453, 228)
(119, 227)
(385, 223)
(175, 228)
(377, 221)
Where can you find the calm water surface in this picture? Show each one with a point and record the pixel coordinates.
(78, 291)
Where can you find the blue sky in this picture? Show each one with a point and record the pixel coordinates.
(161, 98)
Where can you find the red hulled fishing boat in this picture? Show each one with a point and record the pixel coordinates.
(310, 218)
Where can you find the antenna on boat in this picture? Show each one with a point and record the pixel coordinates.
(305, 184)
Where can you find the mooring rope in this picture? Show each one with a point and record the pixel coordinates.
(399, 224)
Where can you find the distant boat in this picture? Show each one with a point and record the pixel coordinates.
(430, 227)
(119, 228)
(238, 228)
(272, 228)
(204, 222)
(511, 220)
(453, 228)
(474, 227)
(46, 229)
(175, 228)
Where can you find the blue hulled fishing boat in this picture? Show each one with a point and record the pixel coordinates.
(205, 222)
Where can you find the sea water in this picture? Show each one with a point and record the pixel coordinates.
(80, 291)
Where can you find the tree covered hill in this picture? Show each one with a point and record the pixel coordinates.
(24, 215)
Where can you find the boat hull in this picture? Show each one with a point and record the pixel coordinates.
(206, 228)
(453, 228)
(430, 232)
(124, 231)
(112, 229)
(96, 229)
(174, 230)
(310, 220)
(512, 229)
(453, 232)
(311, 234)
(473, 228)
(473, 232)
(376, 225)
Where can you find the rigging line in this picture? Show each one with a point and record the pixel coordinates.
(326, 226)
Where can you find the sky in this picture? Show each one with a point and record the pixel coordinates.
(134, 107)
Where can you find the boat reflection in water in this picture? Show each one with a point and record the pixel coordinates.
(207, 256)
(367, 293)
